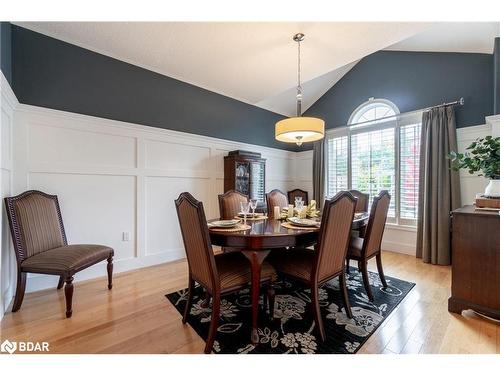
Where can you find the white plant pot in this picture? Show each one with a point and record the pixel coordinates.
(493, 189)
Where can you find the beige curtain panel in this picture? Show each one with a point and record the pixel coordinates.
(439, 190)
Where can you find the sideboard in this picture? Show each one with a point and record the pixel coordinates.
(475, 277)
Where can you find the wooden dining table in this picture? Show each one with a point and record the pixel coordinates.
(257, 242)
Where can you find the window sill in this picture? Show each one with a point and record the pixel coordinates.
(405, 228)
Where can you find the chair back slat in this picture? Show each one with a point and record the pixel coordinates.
(333, 241)
(292, 194)
(229, 204)
(35, 222)
(275, 198)
(196, 239)
(376, 223)
(363, 199)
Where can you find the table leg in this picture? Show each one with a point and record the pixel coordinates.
(256, 259)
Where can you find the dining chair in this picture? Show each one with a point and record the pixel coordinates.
(229, 204)
(363, 249)
(275, 198)
(316, 267)
(292, 194)
(41, 246)
(361, 206)
(218, 274)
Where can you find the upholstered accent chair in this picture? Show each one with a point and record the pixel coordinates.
(41, 246)
(316, 267)
(361, 206)
(218, 274)
(275, 198)
(229, 204)
(363, 249)
(292, 194)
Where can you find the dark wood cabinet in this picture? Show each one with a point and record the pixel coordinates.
(245, 171)
(475, 262)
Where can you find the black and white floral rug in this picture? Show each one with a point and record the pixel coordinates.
(292, 330)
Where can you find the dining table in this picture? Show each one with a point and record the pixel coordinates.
(262, 236)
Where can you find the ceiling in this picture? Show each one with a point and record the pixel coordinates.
(256, 62)
(468, 37)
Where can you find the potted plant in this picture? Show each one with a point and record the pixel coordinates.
(482, 155)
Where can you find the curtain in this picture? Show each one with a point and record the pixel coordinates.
(319, 170)
(439, 186)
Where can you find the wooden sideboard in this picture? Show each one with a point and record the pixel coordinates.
(475, 262)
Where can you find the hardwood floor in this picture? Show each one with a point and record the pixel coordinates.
(135, 317)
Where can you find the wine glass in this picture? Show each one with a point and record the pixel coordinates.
(253, 206)
(245, 208)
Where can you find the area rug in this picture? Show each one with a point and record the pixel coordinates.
(292, 330)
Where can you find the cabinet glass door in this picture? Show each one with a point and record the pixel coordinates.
(257, 182)
(242, 183)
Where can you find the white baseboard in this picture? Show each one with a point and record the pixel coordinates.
(399, 247)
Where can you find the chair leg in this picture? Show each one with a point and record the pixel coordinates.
(381, 270)
(110, 272)
(271, 296)
(20, 288)
(60, 284)
(345, 295)
(366, 280)
(317, 312)
(347, 265)
(265, 299)
(189, 301)
(213, 324)
(206, 301)
(68, 292)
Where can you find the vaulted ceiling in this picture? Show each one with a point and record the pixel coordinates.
(256, 62)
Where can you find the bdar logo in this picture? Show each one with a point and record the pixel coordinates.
(8, 347)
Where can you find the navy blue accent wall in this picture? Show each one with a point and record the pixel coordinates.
(496, 77)
(413, 80)
(50, 73)
(6, 51)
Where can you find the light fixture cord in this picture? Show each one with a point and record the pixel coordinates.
(299, 88)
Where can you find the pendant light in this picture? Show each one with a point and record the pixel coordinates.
(299, 129)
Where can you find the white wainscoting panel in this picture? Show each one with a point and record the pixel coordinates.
(303, 171)
(162, 228)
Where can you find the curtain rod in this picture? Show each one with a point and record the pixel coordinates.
(459, 102)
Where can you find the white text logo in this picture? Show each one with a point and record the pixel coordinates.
(23, 346)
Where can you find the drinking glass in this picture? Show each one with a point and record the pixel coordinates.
(245, 208)
(299, 205)
(253, 206)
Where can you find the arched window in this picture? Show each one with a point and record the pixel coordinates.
(378, 150)
(371, 111)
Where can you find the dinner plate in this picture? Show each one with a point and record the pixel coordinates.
(224, 223)
(303, 222)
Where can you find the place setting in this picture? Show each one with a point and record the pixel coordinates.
(300, 216)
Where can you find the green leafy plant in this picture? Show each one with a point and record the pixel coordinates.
(482, 155)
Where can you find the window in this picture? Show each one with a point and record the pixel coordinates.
(378, 151)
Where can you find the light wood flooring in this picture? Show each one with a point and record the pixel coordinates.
(135, 317)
